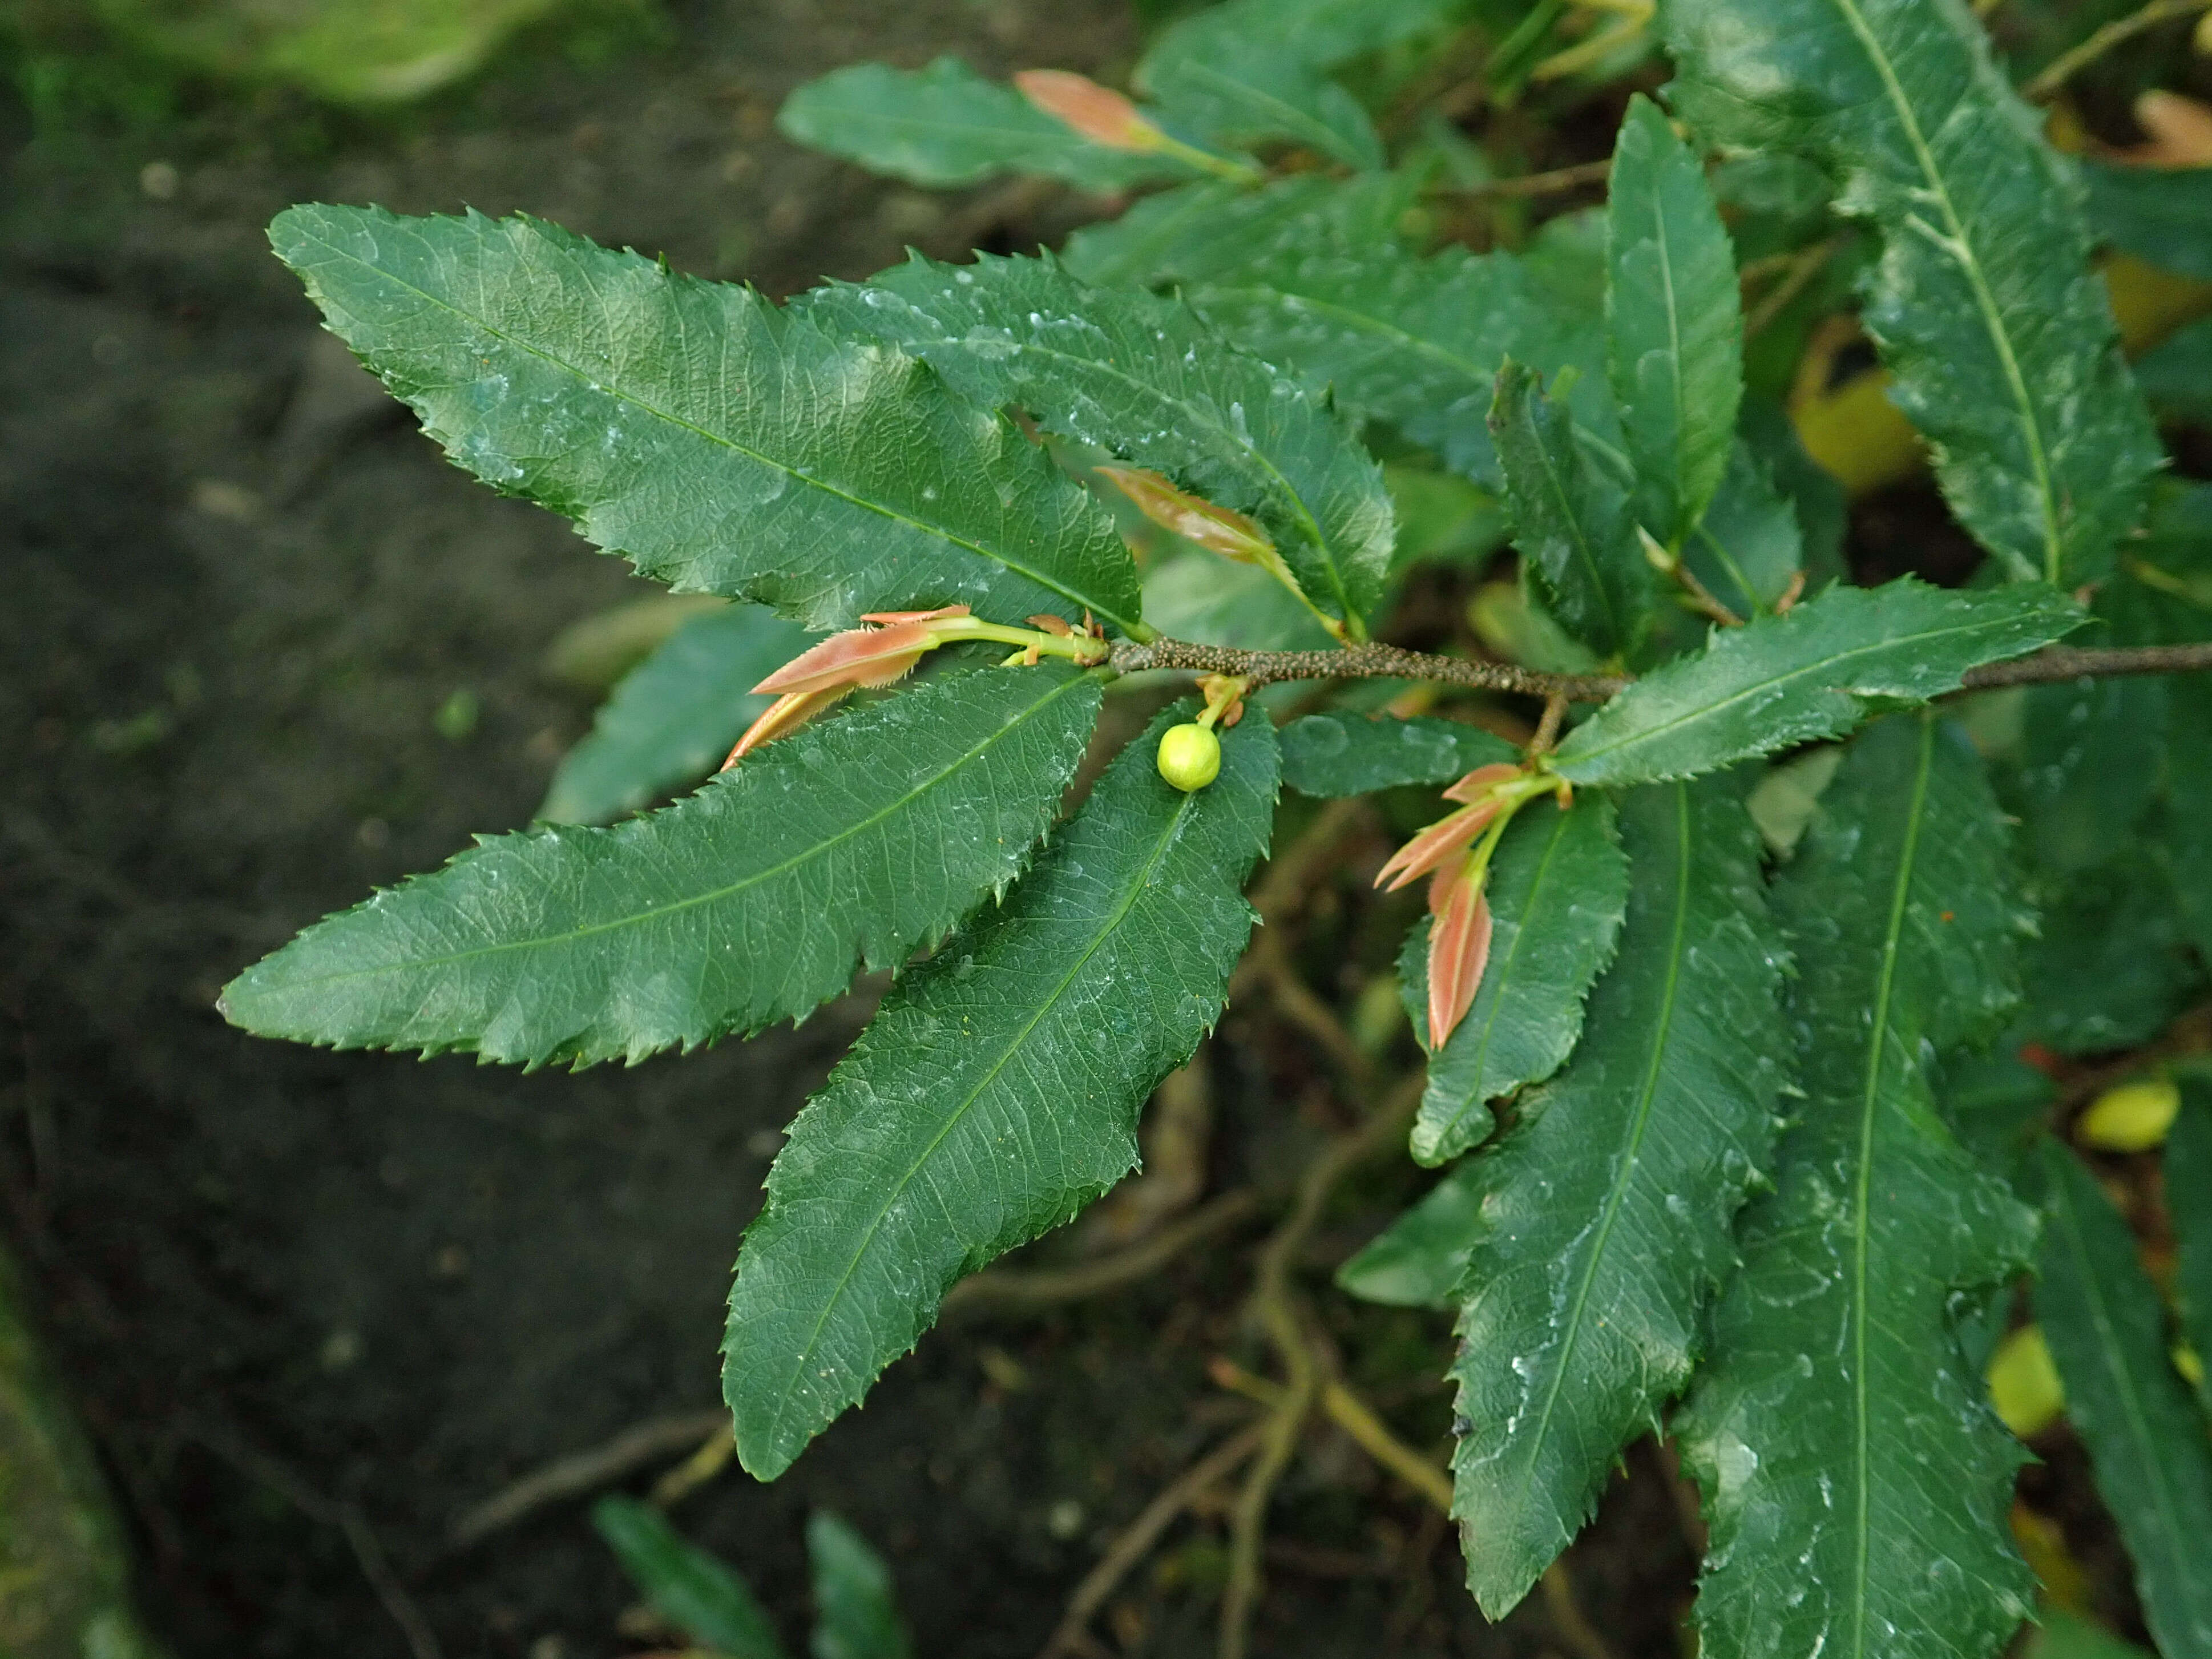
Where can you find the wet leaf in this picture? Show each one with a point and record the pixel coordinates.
(1352, 755)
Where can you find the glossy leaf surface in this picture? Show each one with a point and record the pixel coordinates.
(672, 719)
(717, 444)
(1816, 671)
(1418, 1260)
(1983, 303)
(753, 900)
(2145, 1437)
(1337, 754)
(946, 125)
(1569, 521)
(1605, 1212)
(1856, 1481)
(1674, 325)
(996, 1093)
(1558, 890)
(1142, 378)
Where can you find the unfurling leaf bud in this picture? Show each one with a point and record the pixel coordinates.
(1190, 757)
(1098, 113)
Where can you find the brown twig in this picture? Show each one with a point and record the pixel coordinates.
(1141, 1534)
(2066, 65)
(1547, 728)
(1533, 183)
(1360, 662)
(2065, 662)
(1800, 268)
(587, 1471)
(1016, 1290)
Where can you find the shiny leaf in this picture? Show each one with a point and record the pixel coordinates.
(750, 902)
(997, 1091)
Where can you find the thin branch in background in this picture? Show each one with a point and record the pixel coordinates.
(1137, 1538)
(712, 1457)
(1016, 1290)
(1702, 598)
(2059, 662)
(587, 1471)
(2062, 68)
(1556, 182)
(1547, 729)
(1566, 1613)
(1798, 271)
(375, 1566)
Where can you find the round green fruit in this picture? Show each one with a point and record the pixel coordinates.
(1190, 757)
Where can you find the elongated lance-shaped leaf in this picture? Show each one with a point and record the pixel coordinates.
(2188, 1170)
(701, 1594)
(1337, 755)
(856, 1612)
(946, 125)
(719, 444)
(1415, 342)
(1674, 323)
(1855, 1479)
(1569, 521)
(1418, 1260)
(674, 716)
(997, 1091)
(1983, 304)
(1559, 889)
(1816, 671)
(1141, 377)
(750, 902)
(2146, 1441)
(1605, 1212)
(1209, 231)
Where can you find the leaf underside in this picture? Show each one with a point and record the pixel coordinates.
(1604, 1213)
(996, 1093)
(1558, 891)
(1981, 303)
(1141, 377)
(1816, 671)
(720, 445)
(674, 716)
(1855, 1479)
(1340, 755)
(852, 842)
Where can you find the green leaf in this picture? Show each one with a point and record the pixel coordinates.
(674, 716)
(1675, 324)
(2188, 1171)
(1418, 1260)
(1983, 304)
(1558, 890)
(855, 1611)
(1747, 548)
(997, 1091)
(2161, 215)
(947, 126)
(2062, 1635)
(2186, 837)
(2092, 754)
(1193, 594)
(2146, 1439)
(2176, 374)
(1142, 378)
(700, 1594)
(1205, 231)
(1336, 755)
(1571, 521)
(858, 838)
(1816, 671)
(1605, 1212)
(1415, 341)
(717, 444)
(1855, 1479)
(2111, 967)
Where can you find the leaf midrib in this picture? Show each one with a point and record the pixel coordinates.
(1135, 628)
(1877, 1042)
(1970, 266)
(1640, 1122)
(1713, 710)
(1588, 555)
(638, 918)
(952, 1120)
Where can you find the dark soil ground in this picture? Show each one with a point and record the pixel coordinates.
(236, 590)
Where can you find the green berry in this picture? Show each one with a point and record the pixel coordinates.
(1190, 757)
